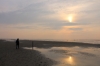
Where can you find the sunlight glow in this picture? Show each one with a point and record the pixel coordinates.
(70, 18)
(70, 57)
(70, 60)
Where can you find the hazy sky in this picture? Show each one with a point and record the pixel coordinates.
(50, 19)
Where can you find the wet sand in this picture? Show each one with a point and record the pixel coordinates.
(9, 56)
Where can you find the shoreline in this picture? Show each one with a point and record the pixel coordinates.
(90, 41)
(38, 43)
(10, 56)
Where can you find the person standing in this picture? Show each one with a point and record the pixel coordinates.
(17, 43)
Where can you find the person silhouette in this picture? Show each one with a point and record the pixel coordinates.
(17, 43)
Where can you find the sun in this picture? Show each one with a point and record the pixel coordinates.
(70, 18)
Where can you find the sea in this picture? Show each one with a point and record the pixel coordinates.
(92, 41)
(71, 55)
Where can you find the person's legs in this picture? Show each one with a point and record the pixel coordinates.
(16, 46)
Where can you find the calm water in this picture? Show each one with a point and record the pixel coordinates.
(72, 56)
(78, 40)
(86, 41)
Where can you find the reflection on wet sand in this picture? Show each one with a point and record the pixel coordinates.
(72, 56)
(69, 53)
(70, 60)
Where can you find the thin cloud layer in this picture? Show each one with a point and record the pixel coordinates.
(48, 14)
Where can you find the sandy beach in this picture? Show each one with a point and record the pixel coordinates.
(10, 56)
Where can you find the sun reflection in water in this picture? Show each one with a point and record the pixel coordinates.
(70, 60)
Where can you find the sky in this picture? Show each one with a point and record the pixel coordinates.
(50, 19)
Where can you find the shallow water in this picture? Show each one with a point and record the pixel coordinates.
(92, 41)
(72, 56)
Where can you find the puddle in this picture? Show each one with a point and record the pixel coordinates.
(72, 56)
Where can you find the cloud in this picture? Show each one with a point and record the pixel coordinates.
(48, 13)
(13, 5)
(75, 29)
